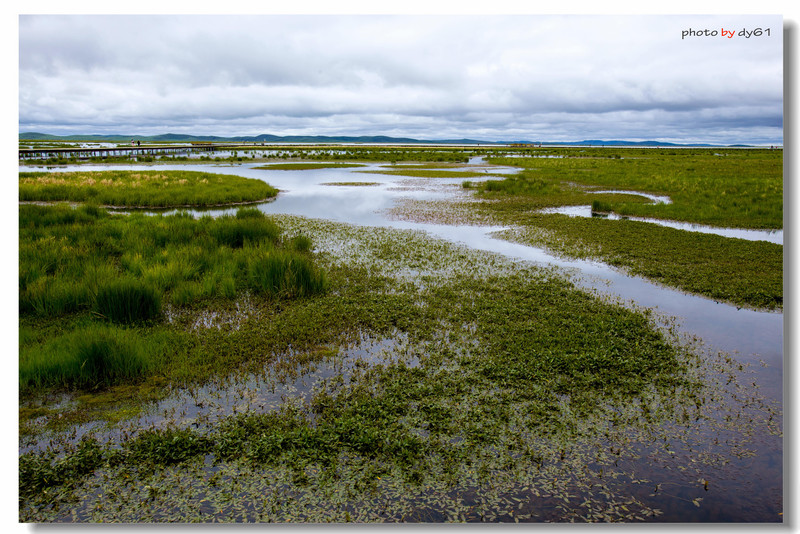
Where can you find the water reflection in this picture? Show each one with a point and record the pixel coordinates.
(772, 236)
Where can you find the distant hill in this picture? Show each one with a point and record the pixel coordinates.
(263, 138)
(365, 139)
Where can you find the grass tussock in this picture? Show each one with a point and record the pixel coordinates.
(94, 356)
(127, 300)
(282, 273)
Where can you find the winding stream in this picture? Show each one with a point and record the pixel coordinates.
(751, 336)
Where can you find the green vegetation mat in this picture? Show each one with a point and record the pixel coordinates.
(145, 189)
(105, 273)
(727, 188)
(500, 393)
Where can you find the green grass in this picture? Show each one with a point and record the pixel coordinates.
(127, 300)
(745, 273)
(153, 189)
(509, 394)
(718, 187)
(284, 274)
(90, 357)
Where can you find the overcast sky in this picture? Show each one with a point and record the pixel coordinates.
(537, 78)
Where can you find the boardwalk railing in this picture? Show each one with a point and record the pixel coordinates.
(84, 152)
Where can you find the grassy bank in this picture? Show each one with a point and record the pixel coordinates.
(746, 273)
(729, 188)
(83, 266)
(153, 189)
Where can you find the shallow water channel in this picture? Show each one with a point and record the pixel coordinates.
(752, 337)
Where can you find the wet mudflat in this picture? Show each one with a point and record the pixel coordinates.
(698, 439)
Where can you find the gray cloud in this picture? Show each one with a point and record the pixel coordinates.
(492, 77)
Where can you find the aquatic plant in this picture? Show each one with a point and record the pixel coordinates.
(508, 395)
(237, 230)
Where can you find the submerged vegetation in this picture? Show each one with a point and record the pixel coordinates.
(499, 403)
(151, 189)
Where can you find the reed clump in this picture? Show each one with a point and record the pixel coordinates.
(285, 273)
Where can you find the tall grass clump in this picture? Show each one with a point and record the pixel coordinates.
(248, 226)
(284, 274)
(127, 300)
(94, 356)
(598, 206)
(300, 243)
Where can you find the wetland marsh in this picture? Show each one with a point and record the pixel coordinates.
(458, 356)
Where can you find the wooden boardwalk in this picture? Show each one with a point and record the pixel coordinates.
(147, 150)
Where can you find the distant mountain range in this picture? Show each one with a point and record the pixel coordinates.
(366, 139)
